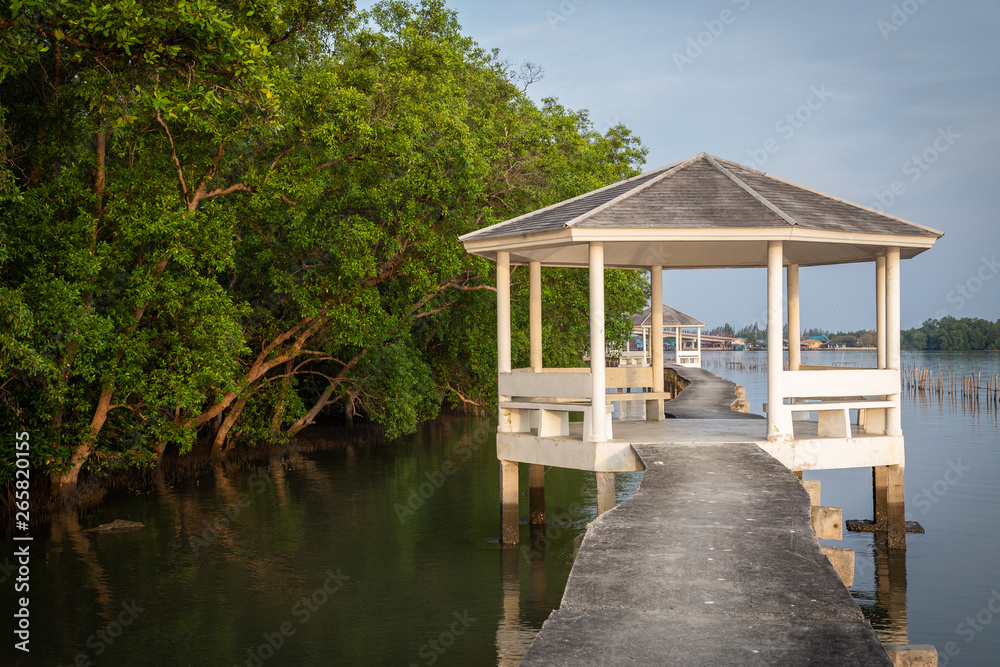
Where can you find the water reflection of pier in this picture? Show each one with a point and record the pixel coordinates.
(889, 614)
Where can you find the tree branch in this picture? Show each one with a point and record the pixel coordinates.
(177, 162)
(327, 165)
(469, 401)
(200, 192)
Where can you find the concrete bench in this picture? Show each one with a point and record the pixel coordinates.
(551, 417)
(834, 417)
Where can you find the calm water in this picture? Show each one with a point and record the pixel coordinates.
(388, 555)
(946, 591)
(365, 555)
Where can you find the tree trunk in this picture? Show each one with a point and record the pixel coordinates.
(349, 411)
(65, 483)
(307, 418)
(279, 410)
(161, 448)
(219, 444)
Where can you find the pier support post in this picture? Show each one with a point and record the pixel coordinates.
(889, 506)
(536, 473)
(536, 494)
(509, 529)
(605, 492)
(794, 322)
(508, 469)
(880, 501)
(654, 407)
(894, 500)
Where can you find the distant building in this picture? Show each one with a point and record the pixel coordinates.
(686, 332)
(814, 342)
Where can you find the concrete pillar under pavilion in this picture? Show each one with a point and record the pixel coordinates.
(509, 532)
(598, 387)
(536, 472)
(888, 481)
(598, 383)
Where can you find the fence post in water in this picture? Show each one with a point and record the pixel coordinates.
(605, 492)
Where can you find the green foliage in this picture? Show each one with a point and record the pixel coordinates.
(949, 333)
(220, 218)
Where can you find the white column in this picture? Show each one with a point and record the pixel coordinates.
(776, 422)
(880, 307)
(503, 312)
(597, 379)
(892, 356)
(677, 345)
(536, 473)
(656, 322)
(698, 329)
(794, 322)
(535, 314)
(654, 407)
(508, 469)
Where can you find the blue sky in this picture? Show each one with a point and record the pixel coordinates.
(854, 98)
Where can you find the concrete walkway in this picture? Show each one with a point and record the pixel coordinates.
(711, 562)
(707, 397)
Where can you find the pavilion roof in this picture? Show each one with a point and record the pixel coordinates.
(703, 199)
(671, 318)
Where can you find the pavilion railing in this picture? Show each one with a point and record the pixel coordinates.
(834, 392)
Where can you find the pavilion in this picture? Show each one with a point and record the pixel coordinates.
(700, 213)
(675, 321)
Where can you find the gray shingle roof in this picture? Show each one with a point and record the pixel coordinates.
(705, 192)
(671, 318)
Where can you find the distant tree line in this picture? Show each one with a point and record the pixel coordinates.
(948, 333)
